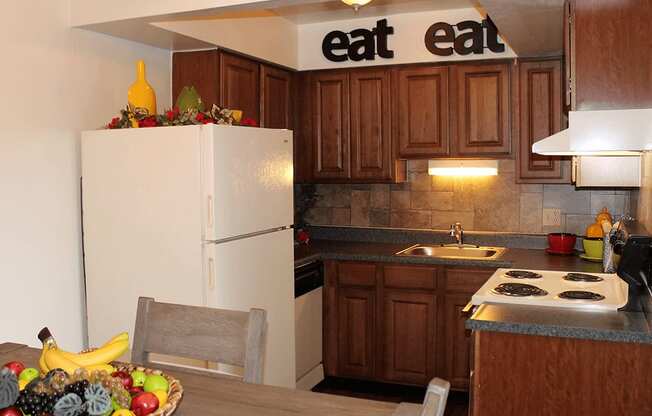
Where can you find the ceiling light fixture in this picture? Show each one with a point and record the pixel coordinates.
(356, 4)
(463, 167)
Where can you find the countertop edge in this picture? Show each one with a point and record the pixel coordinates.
(560, 331)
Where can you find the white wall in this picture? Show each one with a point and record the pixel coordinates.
(55, 82)
(407, 42)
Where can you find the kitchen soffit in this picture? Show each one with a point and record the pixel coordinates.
(332, 10)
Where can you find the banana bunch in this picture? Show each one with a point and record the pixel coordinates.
(52, 357)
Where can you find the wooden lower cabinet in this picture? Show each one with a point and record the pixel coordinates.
(457, 342)
(356, 332)
(398, 323)
(409, 326)
(516, 374)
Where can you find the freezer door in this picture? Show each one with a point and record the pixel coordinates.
(142, 228)
(246, 180)
(258, 272)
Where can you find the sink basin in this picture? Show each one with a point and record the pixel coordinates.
(454, 251)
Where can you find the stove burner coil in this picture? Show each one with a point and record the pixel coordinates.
(519, 290)
(581, 295)
(522, 274)
(582, 277)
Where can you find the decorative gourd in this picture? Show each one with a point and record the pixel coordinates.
(189, 99)
(603, 215)
(98, 400)
(69, 405)
(594, 230)
(8, 388)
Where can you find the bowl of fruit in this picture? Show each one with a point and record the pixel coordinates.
(90, 383)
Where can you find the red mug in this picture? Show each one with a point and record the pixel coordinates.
(561, 242)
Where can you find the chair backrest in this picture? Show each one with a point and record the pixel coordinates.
(216, 335)
(434, 403)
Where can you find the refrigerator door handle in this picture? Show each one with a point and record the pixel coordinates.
(211, 273)
(249, 235)
(211, 212)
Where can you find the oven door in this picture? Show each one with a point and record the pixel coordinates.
(308, 290)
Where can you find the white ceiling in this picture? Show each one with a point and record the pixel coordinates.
(308, 12)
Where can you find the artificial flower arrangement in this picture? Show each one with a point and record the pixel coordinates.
(175, 117)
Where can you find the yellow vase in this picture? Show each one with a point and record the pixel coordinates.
(141, 95)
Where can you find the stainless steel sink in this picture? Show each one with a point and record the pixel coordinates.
(454, 251)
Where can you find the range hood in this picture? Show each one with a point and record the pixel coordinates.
(601, 133)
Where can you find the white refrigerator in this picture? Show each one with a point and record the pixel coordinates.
(195, 215)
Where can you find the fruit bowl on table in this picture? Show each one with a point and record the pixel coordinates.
(175, 389)
(89, 383)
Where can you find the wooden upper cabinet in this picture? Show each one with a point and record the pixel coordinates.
(482, 110)
(330, 125)
(239, 86)
(200, 69)
(275, 98)
(371, 140)
(611, 67)
(410, 323)
(540, 110)
(422, 111)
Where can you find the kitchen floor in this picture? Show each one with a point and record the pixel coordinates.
(458, 402)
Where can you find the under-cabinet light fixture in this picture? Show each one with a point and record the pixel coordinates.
(463, 167)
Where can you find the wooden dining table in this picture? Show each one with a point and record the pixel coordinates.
(214, 396)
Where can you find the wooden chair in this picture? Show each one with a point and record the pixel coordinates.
(216, 335)
(434, 403)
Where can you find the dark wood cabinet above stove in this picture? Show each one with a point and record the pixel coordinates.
(607, 53)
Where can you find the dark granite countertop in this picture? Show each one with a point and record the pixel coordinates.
(566, 323)
(571, 323)
(517, 258)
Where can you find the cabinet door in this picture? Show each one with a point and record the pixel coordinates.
(409, 336)
(540, 113)
(200, 69)
(356, 332)
(611, 63)
(275, 98)
(239, 86)
(457, 342)
(482, 110)
(371, 147)
(331, 125)
(422, 111)
(459, 283)
(303, 133)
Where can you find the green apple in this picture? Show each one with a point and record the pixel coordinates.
(28, 374)
(155, 382)
(139, 378)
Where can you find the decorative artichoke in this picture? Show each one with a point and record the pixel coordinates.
(8, 388)
(98, 400)
(69, 405)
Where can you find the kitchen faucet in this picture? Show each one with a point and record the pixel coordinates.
(457, 232)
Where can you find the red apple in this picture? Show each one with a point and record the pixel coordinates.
(15, 367)
(135, 390)
(144, 404)
(11, 411)
(126, 379)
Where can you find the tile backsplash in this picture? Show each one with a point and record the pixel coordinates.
(494, 203)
